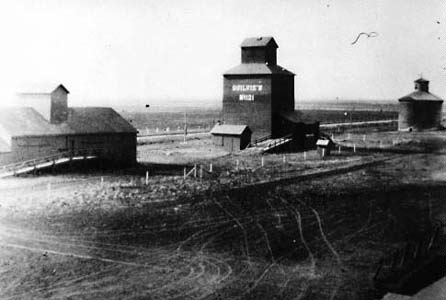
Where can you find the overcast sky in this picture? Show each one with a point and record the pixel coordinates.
(135, 51)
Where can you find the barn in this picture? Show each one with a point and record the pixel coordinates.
(259, 93)
(231, 137)
(420, 110)
(43, 125)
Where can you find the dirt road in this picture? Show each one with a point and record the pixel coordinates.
(319, 239)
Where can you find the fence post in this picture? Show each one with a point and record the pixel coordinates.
(195, 171)
(323, 152)
(184, 173)
(210, 167)
(147, 177)
(201, 172)
(354, 148)
(339, 149)
(102, 181)
(263, 162)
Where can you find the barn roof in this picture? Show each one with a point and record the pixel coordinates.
(420, 96)
(26, 121)
(226, 129)
(261, 41)
(23, 121)
(258, 69)
(97, 120)
(41, 88)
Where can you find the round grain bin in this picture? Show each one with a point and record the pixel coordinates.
(420, 110)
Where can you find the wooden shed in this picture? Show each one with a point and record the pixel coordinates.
(231, 137)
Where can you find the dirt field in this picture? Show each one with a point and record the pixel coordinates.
(229, 234)
(205, 118)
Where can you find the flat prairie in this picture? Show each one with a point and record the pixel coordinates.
(298, 227)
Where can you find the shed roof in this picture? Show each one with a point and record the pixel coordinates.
(229, 129)
(323, 142)
(258, 69)
(420, 96)
(97, 120)
(298, 117)
(261, 41)
(45, 88)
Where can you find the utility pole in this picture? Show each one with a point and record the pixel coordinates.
(185, 126)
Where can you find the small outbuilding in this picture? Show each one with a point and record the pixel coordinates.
(420, 110)
(324, 146)
(231, 137)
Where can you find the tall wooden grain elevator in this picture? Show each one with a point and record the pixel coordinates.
(260, 94)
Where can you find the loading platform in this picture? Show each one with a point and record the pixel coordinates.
(267, 143)
(40, 163)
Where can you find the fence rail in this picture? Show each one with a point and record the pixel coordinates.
(51, 158)
(261, 139)
(278, 142)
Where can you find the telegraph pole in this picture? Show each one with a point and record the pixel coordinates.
(185, 126)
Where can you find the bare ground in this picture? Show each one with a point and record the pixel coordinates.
(110, 236)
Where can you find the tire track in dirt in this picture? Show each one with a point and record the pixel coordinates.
(203, 269)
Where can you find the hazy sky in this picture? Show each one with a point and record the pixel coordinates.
(134, 51)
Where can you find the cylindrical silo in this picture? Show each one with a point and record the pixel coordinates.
(420, 110)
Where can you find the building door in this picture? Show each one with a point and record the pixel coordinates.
(72, 147)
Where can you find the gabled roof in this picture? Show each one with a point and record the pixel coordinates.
(258, 69)
(24, 121)
(229, 129)
(41, 88)
(420, 96)
(262, 41)
(97, 120)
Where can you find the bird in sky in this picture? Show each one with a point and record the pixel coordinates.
(369, 35)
